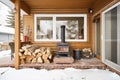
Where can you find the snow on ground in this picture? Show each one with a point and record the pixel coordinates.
(8, 73)
(5, 58)
(5, 53)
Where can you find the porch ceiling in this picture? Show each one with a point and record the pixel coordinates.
(59, 4)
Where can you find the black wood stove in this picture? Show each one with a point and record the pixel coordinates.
(63, 48)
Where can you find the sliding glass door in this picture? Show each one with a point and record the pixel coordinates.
(111, 36)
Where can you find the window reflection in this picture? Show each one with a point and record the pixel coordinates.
(47, 27)
(44, 28)
(74, 27)
(112, 37)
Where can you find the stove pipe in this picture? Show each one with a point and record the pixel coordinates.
(63, 33)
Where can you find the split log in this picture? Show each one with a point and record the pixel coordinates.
(29, 58)
(37, 51)
(44, 57)
(22, 51)
(38, 55)
(46, 61)
(34, 60)
(22, 61)
(33, 48)
(27, 52)
(22, 57)
(33, 54)
(39, 60)
(26, 47)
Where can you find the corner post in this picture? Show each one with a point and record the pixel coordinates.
(17, 33)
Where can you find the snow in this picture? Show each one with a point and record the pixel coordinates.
(7, 30)
(5, 53)
(8, 73)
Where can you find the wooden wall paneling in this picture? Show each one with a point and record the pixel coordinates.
(58, 11)
(99, 4)
(102, 5)
(24, 6)
(59, 4)
(28, 21)
(91, 33)
(98, 9)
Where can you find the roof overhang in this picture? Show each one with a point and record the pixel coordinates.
(30, 6)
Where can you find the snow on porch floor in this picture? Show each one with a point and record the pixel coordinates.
(57, 74)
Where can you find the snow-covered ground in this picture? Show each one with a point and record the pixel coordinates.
(56, 74)
(5, 58)
(5, 53)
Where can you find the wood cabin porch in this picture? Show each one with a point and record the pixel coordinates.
(32, 7)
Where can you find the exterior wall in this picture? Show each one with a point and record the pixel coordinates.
(29, 21)
(6, 37)
(98, 8)
(100, 4)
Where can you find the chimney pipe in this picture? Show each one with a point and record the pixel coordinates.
(63, 33)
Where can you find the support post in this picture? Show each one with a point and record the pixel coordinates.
(17, 33)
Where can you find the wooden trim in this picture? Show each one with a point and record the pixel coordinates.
(93, 34)
(106, 7)
(94, 20)
(100, 36)
(24, 6)
(17, 33)
(113, 70)
(58, 11)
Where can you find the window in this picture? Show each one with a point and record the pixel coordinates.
(111, 36)
(47, 27)
(44, 28)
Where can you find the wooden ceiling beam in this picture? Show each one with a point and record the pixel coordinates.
(56, 11)
(24, 6)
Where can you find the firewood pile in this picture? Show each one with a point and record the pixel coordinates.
(35, 54)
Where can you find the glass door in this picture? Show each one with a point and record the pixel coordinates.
(111, 36)
(97, 37)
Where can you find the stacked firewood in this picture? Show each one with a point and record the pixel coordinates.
(35, 54)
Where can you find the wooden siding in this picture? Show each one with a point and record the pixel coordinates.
(98, 6)
(102, 5)
(29, 21)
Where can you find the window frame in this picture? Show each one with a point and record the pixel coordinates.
(54, 16)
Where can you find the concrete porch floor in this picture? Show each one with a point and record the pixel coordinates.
(6, 61)
(79, 64)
